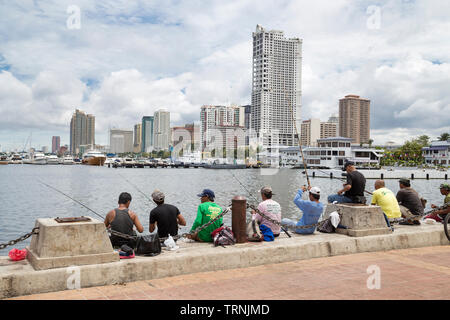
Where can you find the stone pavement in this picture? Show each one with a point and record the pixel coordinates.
(407, 274)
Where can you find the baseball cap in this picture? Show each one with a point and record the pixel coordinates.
(315, 190)
(348, 163)
(158, 195)
(444, 186)
(266, 190)
(404, 181)
(208, 193)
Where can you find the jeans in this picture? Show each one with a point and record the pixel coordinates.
(339, 199)
(292, 223)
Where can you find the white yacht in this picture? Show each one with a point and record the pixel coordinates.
(52, 159)
(128, 163)
(16, 159)
(68, 160)
(39, 158)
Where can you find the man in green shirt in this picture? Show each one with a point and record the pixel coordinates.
(207, 211)
(439, 215)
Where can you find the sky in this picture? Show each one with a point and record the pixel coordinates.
(121, 60)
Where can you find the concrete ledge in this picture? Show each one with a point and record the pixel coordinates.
(19, 278)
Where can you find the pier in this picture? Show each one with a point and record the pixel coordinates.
(20, 278)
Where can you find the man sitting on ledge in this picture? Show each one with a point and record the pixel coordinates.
(409, 202)
(207, 211)
(354, 187)
(312, 209)
(439, 215)
(122, 220)
(386, 199)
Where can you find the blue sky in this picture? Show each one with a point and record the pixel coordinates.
(130, 58)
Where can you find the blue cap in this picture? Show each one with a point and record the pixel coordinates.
(207, 192)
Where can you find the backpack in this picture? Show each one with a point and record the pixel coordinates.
(254, 232)
(223, 236)
(326, 227)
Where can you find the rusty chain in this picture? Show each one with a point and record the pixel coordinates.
(22, 238)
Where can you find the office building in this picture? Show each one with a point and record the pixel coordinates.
(137, 147)
(276, 88)
(120, 141)
(310, 132)
(354, 118)
(82, 131)
(161, 132)
(56, 140)
(147, 134)
(219, 116)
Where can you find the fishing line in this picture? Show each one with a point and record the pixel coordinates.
(53, 188)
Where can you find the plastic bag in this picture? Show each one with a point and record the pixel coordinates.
(335, 219)
(170, 243)
(17, 255)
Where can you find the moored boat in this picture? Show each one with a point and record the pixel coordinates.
(39, 158)
(68, 160)
(52, 159)
(4, 159)
(94, 158)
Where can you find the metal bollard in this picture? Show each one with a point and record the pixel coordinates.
(412, 176)
(238, 219)
(445, 177)
(331, 175)
(428, 176)
(382, 175)
(314, 174)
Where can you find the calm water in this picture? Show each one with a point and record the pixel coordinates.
(24, 198)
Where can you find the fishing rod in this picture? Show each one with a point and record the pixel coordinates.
(135, 187)
(59, 191)
(341, 179)
(298, 139)
(251, 195)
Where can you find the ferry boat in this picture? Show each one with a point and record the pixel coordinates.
(331, 153)
(68, 160)
(39, 158)
(52, 159)
(94, 158)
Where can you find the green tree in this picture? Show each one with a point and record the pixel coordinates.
(424, 140)
(444, 137)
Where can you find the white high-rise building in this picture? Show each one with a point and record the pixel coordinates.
(120, 141)
(276, 90)
(161, 133)
(212, 117)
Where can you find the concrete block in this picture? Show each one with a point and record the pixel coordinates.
(360, 220)
(72, 243)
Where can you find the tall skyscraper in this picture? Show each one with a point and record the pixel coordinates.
(137, 138)
(147, 134)
(82, 131)
(276, 89)
(354, 118)
(56, 140)
(161, 132)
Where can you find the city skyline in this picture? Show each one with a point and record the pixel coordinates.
(397, 59)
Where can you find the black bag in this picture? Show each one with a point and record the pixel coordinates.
(148, 245)
(326, 227)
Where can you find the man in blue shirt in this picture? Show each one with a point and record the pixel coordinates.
(312, 210)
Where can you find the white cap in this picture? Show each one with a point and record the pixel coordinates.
(315, 190)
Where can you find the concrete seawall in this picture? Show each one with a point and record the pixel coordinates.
(19, 278)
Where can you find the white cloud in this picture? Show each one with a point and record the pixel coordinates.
(131, 57)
